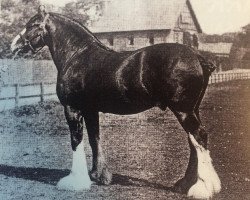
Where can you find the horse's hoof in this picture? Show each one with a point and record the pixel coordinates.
(74, 182)
(181, 186)
(197, 188)
(103, 178)
(106, 177)
(93, 175)
(200, 191)
(204, 189)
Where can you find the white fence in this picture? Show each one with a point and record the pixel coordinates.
(237, 74)
(15, 95)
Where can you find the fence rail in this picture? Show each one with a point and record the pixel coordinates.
(14, 95)
(229, 76)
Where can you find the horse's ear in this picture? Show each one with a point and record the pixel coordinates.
(41, 10)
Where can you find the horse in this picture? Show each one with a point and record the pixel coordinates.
(92, 78)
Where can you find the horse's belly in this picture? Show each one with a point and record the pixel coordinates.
(124, 106)
(104, 99)
(124, 109)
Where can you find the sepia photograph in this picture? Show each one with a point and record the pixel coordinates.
(124, 99)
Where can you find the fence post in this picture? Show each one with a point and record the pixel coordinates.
(42, 91)
(17, 95)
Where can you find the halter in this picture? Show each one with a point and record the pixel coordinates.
(25, 41)
(28, 42)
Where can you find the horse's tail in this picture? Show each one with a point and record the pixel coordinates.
(207, 66)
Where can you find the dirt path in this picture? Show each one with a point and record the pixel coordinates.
(149, 151)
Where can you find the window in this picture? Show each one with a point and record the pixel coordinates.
(185, 18)
(151, 39)
(195, 41)
(131, 40)
(187, 39)
(177, 37)
(111, 41)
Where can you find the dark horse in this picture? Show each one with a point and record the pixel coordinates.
(92, 79)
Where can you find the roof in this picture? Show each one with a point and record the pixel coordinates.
(197, 24)
(134, 15)
(216, 48)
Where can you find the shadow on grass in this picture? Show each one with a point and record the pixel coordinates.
(44, 175)
(122, 180)
(52, 176)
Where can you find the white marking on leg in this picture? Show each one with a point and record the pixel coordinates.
(78, 179)
(208, 182)
(14, 45)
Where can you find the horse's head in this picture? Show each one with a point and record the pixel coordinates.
(32, 37)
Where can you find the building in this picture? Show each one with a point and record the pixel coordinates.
(219, 49)
(219, 52)
(132, 24)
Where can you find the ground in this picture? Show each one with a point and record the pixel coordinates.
(147, 153)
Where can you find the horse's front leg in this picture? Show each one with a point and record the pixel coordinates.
(78, 179)
(99, 172)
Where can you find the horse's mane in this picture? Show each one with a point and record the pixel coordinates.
(79, 27)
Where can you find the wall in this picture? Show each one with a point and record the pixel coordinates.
(121, 40)
(27, 71)
(13, 72)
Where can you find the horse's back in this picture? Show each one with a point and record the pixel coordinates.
(162, 75)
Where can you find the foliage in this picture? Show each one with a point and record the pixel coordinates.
(16, 13)
(84, 11)
(241, 47)
(215, 38)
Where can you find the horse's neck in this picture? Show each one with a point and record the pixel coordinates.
(65, 41)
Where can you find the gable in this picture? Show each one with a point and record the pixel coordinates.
(186, 21)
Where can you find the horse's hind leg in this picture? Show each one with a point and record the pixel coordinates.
(78, 178)
(200, 180)
(99, 172)
(197, 106)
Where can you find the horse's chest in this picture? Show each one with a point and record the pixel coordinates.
(69, 89)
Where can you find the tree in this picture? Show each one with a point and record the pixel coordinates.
(240, 51)
(241, 45)
(14, 16)
(16, 13)
(84, 11)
